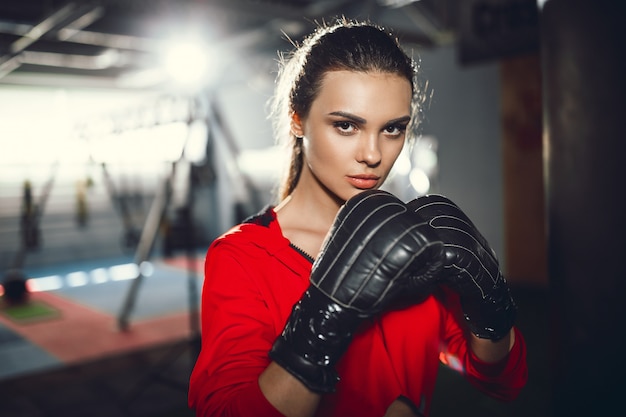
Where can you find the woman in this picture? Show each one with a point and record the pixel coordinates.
(347, 98)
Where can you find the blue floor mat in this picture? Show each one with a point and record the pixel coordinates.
(164, 292)
(18, 356)
(105, 286)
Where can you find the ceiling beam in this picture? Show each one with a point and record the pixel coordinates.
(71, 11)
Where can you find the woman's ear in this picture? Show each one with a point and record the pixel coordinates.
(296, 125)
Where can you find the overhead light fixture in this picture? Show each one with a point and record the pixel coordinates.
(187, 62)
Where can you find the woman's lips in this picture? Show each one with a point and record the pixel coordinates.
(363, 182)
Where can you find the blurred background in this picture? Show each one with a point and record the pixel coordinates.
(132, 133)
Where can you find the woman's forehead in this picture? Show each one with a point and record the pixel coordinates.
(364, 93)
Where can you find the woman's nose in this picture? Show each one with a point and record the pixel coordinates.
(369, 150)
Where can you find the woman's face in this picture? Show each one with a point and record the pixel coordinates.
(354, 131)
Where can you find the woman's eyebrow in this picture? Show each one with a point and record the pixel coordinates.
(350, 116)
(360, 120)
(404, 119)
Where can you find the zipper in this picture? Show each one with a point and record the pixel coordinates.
(303, 253)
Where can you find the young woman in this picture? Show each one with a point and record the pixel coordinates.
(279, 334)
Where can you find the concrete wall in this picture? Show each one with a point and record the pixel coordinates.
(465, 118)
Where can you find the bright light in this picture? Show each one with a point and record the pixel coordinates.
(426, 159)
(139, 145)
(451, 361)
(402, 167)
(123, 272)
(195, 149)
(95, 276)
(146, 268)
(99, 275)
(77, 279)
(49, 283)
(187, 62)
(419, 180)
(263, 166)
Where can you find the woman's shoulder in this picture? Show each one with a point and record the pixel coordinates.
(259, 230)
(258, 240)
(264, 218)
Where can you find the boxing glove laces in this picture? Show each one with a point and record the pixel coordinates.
(471, 268)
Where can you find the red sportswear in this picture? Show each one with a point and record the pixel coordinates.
(253, 277)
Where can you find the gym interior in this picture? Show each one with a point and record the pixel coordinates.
(123, 158)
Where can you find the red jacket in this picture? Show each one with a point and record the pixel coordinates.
(253, 277)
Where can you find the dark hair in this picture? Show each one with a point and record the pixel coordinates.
(345, 45)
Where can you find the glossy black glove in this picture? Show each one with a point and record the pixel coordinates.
(471, 268)
(375, 249)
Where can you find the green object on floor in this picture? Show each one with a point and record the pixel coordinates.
(29, 312)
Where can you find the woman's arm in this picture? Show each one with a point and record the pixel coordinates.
(286, 393)
(293, 399)
(492, 351)
(497, 368)
(238, 329)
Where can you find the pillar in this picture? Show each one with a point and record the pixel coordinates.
(584, 79)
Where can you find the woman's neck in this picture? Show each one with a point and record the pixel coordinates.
(308, 210)
(305, 218)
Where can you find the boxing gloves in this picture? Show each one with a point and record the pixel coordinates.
(471, 268)
(375, 249)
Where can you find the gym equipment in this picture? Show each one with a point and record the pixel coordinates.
(14, 280)
(131, 235)
(14, 284)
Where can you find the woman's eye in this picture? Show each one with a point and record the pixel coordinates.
(344, 127)
(395, 130)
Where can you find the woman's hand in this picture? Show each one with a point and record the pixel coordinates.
(471, 268)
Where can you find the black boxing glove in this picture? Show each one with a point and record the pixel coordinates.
(375, 249)
(471, 268)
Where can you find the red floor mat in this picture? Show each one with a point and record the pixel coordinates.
(80, 333)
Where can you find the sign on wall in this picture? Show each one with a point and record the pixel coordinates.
(494, 29)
